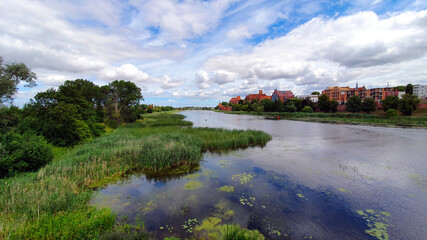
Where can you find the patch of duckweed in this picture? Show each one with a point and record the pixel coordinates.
(189, 224)
(193, 185)
(208, 173)
(223, 164)
(210, 226)
(192, 176)
(166, 228)
(222, 212)
(246, 201)
(419, 181)
(301, 196)
(376, 223)
(343, 174)
(244, 177)
(148, 207)
(344, 190)
(226, 188)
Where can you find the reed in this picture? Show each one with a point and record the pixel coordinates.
(58, 192)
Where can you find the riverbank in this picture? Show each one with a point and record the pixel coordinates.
(52, 203)
(344, 118)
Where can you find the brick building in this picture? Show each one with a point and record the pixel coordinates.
(343, 94)
(379, 94)
(235, 100)
(258, 96)
(337, 93)
(281, 95)
(224, 108)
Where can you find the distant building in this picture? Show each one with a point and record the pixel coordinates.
(313, 98)
(420, 91)
(343, 94)
(258, 96)
(336, 93)
(224, 108)
(379, 94)
(235, 100)
(281, 95)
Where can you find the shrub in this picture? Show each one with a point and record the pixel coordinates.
(391, 113)
(307, 109)
(354, 104)
(21, 153)
(290, 108)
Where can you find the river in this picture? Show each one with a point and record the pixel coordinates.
(312, 180)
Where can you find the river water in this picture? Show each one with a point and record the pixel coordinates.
(312, 180)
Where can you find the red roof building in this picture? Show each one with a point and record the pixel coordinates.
(224, 108)
(258, 96)
(281, 95)
(235, 100)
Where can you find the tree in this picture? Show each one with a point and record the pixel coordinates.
(323, 103)
(400, 88)
(224, 104)
(409, 89)
(354, 104)
(368, 105)
(315, 93)
(408, 104)
(10, 76)
(333, 106)
(279, 106)
(290, 108)
(123, 97)
(307, 109)
(390, 102)
(268, 105)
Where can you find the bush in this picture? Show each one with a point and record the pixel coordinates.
(290, 108)
(391, 113)
(354, 104)
(21, 153)
(307, 109)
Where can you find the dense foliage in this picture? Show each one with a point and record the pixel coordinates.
(390, 102)
(408, 104)
(368, 105)
(354, 104)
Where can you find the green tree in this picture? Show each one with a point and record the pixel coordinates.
(368, 105)
(224, 103)
(315, 93)
(279, 106)
(400, 88)
(9, 118)
(390, 102)
(409, 89)
(324, 103)
(268, 105)
(290, 108)
(333, 106)
(123, 97)
(307, 109)
(354, 104)
(10, 76)
(408, 104)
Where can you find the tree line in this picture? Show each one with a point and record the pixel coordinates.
(75, 112)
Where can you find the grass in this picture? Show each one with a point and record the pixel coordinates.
(347, 118)
(59, 192)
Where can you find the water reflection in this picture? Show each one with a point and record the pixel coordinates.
(312, 180)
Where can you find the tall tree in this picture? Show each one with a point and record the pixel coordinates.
(354, 104)
(408, 104)
(368, 105)
(10, 76)
(390, 102)
(315, 93)
(409, 89)
(323, 103)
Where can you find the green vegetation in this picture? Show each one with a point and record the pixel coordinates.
(346, 118)
(211, 228)
(60, 191)
(354, 104)
(376, 223)
(193, 184)
(226, 188)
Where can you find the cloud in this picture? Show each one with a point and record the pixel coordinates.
(328, 51)
(125, 72)
(167, 82)
(180, 19)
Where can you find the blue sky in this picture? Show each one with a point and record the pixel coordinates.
(198, 53)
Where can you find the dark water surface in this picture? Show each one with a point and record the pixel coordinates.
(312, 180)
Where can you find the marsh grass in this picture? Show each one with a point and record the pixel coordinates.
(57, 191)
(347, 118)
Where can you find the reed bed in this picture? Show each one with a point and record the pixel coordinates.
(35, 204)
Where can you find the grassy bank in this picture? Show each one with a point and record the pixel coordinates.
(346, 118)
(52, 202)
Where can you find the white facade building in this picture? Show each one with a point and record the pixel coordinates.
(420, 91)
(313, 98)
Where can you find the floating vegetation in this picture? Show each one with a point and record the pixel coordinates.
(192, 176)
(222, 211)
(223, 164)
(193, 184)
(344, 190)
(189, 224)
(342, 174)
(208, 173)
(301, 196)
(148, 207)
(376, 223)
(226, 188)
(167, 228)
(246, 201)
(244, 177)
(419, 181)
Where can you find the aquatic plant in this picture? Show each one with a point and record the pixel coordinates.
(244, 177)
(376, 223)
(193, 185)
(223, 163)
(344, 190)
(226, 188)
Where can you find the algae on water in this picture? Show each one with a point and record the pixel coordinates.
(226, 188)
(376, 222)
(193, 184)
(244, 177)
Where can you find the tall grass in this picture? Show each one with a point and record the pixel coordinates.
(58, 190)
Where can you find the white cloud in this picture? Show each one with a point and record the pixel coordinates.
(331, 51)
(125, 72)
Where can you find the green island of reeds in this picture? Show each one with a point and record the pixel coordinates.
(52, 203)
(345, 118)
